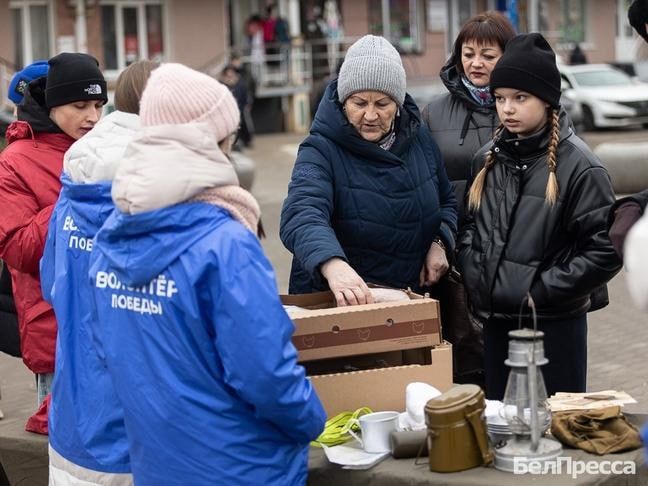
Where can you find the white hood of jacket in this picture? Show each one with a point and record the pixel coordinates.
(635, 258)
(168, 164)
(96, 156)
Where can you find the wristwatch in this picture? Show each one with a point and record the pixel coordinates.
(439, 242)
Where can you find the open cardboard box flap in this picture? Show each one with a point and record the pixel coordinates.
(326, 331)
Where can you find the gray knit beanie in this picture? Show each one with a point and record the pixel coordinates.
(372, 64)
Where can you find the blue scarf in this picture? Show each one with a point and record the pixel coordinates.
(482, 96)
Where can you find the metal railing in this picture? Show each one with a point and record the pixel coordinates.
(285, 68)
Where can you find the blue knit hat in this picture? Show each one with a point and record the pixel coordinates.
(22, 78)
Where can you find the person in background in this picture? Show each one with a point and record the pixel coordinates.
(577, 56)
(246, 130)
(20, 81)
(628, 210)
(255, 32)
(636, 254)
(269, 23)
(637, 17)
(461, 121)
(320, 88)
(87, 438)
(627, 213)
(536, 223)
(624, 213)
(56, 111)
(634, 257)
(369, 199)
(9, 334)
(464, 119)
(231, 78)
(188, 317)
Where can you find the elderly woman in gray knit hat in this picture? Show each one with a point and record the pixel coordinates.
(369, 200)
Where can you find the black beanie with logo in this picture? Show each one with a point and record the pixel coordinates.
(528, 64)
(74, 76)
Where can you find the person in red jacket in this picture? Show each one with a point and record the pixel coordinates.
(56, 110)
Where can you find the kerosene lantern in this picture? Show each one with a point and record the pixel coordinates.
(525, 402)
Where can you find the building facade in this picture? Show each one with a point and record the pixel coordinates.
(203, 34)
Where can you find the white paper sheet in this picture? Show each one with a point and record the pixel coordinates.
(352, 456)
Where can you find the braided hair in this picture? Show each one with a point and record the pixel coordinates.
(477, 187)
(551, 191)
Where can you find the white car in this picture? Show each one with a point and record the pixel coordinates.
(608, 96)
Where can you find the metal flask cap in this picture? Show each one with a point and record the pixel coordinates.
(522, 343)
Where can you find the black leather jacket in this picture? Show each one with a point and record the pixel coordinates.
(517, 243)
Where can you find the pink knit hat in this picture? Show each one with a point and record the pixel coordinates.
(176, 94)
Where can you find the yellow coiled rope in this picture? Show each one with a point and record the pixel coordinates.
(336, 429)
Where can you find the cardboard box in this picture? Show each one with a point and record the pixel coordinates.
(420, 356)
(355, 363)
(383, 388)
(326, 331)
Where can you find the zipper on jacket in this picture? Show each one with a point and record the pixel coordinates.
(464, 128)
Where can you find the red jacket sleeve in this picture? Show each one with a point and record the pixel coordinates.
(23, 223)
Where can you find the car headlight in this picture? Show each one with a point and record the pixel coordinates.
(614, 107)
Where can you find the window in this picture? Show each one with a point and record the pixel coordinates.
(31, 31)
(132, 30)
(459, 12)
(572, 27)
(400, 21)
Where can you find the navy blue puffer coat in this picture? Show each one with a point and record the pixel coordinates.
(377, 209)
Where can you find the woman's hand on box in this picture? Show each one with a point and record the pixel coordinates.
(435, 266)
(347, 286)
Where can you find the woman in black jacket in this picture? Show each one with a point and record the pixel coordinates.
(464, 119)
(536, 222)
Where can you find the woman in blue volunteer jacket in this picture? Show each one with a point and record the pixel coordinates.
(369, 199)
(86, 426)
(188, 315)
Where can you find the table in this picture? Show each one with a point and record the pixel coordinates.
(403, 471)
(23, 456)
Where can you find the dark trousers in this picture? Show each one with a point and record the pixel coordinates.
(565, 344)
(9, 335)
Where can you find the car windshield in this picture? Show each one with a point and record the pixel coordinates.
(602, 77)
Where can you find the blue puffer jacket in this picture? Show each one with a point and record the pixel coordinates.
(86, 424)
(379, 210)
(199, 348)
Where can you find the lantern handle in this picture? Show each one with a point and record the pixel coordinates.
(532, 372)
(531, 303)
